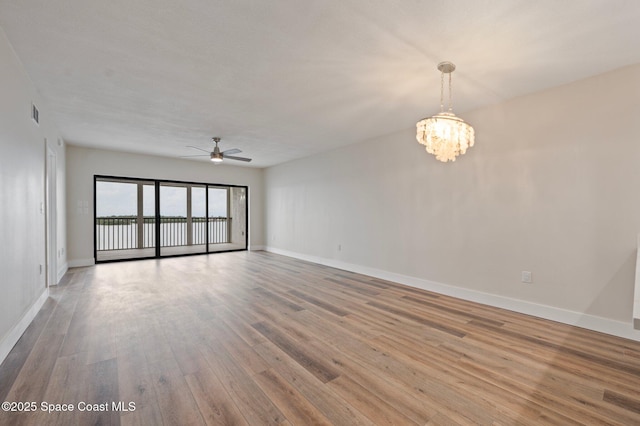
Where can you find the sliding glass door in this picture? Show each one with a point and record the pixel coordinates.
(182, 219)
(125, 218)
(138, 218)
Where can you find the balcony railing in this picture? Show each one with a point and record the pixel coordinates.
(123, 232)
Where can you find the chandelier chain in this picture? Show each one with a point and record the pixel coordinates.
(442, 92)
(450, 97)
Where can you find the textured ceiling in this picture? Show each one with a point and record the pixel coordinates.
(284, 79)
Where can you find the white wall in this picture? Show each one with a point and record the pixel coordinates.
(552, 186)
(22, 196)
(84, 163)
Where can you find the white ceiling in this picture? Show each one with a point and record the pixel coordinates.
(284, 79)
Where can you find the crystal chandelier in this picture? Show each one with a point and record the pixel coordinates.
(445, 135)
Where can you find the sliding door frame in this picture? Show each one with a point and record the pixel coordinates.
(157, 226)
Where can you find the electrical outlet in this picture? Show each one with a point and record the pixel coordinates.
(527, 277)
(339, 247)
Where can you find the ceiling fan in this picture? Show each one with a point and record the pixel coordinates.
(216, 155)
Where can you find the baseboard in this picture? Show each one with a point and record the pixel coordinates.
(78, 263)
(12, 337)
(578, 319)
(636, 290)
(256, 248)
(61, 271)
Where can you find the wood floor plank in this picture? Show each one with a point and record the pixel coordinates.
(622, 401)
(175, 401)
(562, 359)
(33, 379)
(377, 362)
(278, 301)
(101, 391)
(143, 416)
(378, 410)
(338, 348)
(240, 326)
(360, 289)
(514, 399)
(135, 383)
(358, 278)
(384, 322)
(456, 312)
(296, 408)
(241, 352)
(258, 338)
(315, 365)
(255, 406)
(215, 404)
(337, 410)
(64, 388)
(320, 303)
(185, 348)
(419, 319)
(10, 370)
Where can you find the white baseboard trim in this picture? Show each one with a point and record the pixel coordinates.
(61, 271)
(256, 248)
(12, 337)
(78, 263)
(578, 319)
(636, 290)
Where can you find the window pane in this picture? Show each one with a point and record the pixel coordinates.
(217, 202)
(173, 217)
(199, 217)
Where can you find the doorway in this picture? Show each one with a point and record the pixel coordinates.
(51, 222)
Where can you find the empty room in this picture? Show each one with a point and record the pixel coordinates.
(320, 212)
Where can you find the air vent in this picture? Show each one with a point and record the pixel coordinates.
(35, 114)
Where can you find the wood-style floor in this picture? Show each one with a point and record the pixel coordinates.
(255, 338)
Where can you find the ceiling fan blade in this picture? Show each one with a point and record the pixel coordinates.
(232, 151)
(190, 156)
(199, 149)
(237, 158)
